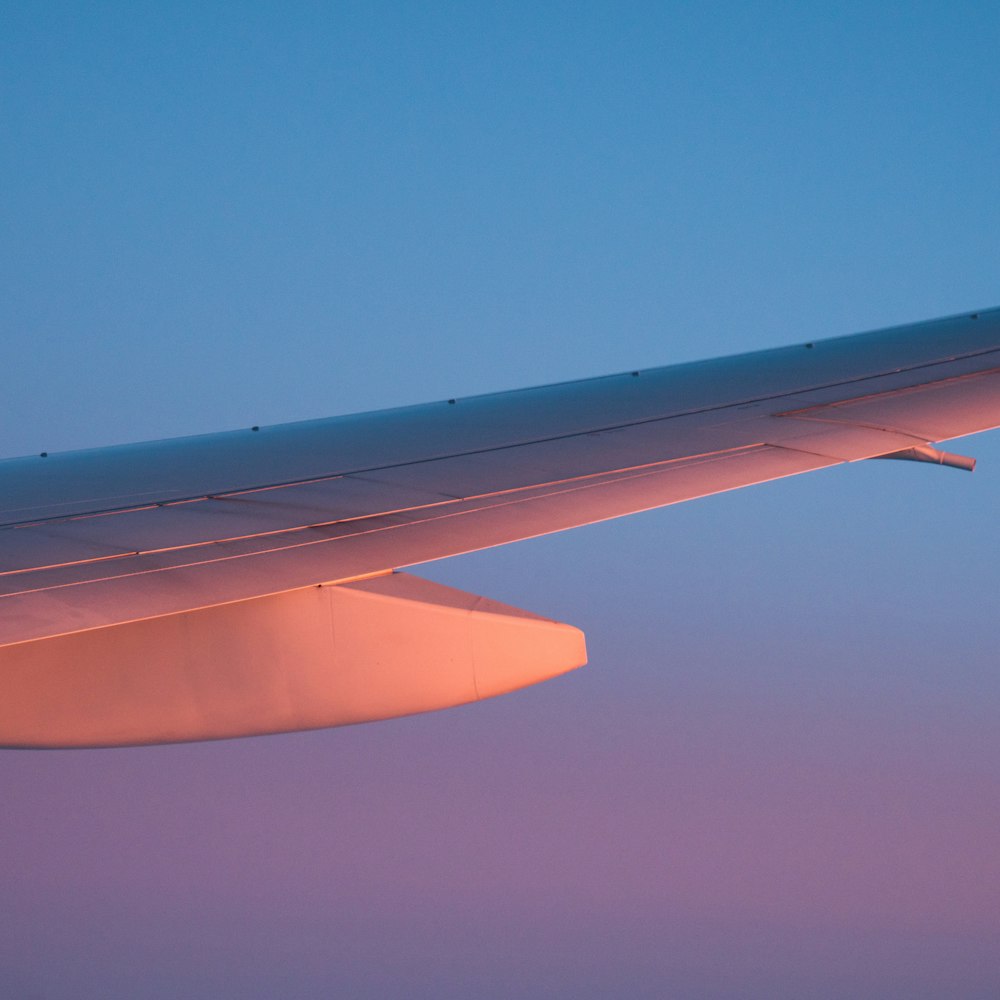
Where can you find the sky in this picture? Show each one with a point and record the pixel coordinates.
(779, 775)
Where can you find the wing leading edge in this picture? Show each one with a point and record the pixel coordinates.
(107, 554)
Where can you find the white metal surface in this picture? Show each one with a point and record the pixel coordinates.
(320, 656)
(98, 539)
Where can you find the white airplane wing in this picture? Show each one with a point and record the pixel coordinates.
(243, 583)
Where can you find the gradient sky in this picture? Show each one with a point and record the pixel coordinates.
(779, 776)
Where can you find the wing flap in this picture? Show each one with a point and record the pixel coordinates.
(311, 658)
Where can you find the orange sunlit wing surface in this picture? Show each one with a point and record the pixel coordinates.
(107, 554)
(303, 659)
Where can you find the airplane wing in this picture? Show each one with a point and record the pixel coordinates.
(247, 582)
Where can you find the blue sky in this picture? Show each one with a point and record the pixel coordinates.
(780, 774)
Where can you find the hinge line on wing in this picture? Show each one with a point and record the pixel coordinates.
(732, 404)
(568, 486)
(571, 482)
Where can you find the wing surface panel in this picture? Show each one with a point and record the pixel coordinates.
(155, 472)
(948, 409)
(75, 598)
(416, 486)
(301, 504)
